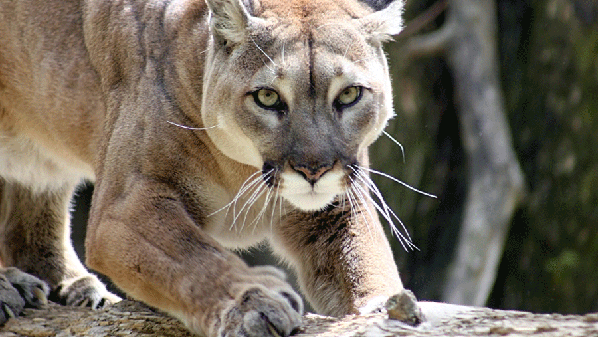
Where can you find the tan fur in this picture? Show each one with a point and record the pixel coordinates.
(152, 100)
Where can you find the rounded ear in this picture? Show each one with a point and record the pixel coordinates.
(385, 22)
(230, 19)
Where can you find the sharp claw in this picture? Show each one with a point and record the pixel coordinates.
(40, 294)
(273, 330)
(8, 311)
(84, 303)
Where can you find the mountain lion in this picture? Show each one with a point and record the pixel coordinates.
(206, 126)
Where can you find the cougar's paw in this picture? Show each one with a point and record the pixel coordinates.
(19, 289)
(11, 302)
(403, 307)
(262, 312)
(84, 291)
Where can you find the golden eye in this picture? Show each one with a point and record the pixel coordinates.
(267, 98)
(349, 96)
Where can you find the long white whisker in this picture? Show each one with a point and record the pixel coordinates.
(276, 199)
(398, 181)
(253, 185)
(260, 215)
(282, 55)
(385, 210)
(406, 243)
(368, 182)
(257, 193)
(263, 52)
(191, 128)
(250, 202)
(239, 193)
(396, 142)
(349, 199)
(355, 188)
(281, 206)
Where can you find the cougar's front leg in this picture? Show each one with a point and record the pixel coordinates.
(150, 246)
(342, 257)
(35, 238)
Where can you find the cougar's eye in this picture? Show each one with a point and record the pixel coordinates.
(268, 99)
(348, 97)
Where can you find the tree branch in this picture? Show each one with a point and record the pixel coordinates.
(129, 318)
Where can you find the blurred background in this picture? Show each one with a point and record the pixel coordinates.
(496, 104)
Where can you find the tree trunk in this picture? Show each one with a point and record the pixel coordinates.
(495, 185)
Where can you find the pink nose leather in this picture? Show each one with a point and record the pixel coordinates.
(313, 175)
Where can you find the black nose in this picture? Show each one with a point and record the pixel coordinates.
(268, 173)
(312, 173)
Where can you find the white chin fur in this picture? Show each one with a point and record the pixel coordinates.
(302, 195)
(311, 201)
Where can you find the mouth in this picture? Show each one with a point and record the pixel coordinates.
(308, 195)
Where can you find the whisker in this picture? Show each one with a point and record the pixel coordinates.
(191, 128)
(349, 195)
(239, 193)
(398, 181)
(250, 202)
(253, 188)
(396, 142)
(387, 210)
(260, 215)
(257, 193)
(281, 206)
(382, 207)
(405, 241)
(355, 188)
(276, 199)
(263, 52)
(282, 55)
(242, 191)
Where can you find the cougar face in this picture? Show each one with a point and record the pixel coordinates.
(304, 107)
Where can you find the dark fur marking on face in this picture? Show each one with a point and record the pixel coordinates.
(377, 4)
(269, 173)
(312, 82)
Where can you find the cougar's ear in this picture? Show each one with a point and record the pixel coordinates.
(231, 19)
(386, 21)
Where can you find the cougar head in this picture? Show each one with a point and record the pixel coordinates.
(299, 89)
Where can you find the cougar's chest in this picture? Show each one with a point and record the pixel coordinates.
(244, 219)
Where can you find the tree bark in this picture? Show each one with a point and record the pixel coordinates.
(129, 318)
(495, 185)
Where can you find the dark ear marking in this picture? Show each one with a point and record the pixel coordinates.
(378, 4)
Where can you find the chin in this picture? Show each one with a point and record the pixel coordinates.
(310, 202)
